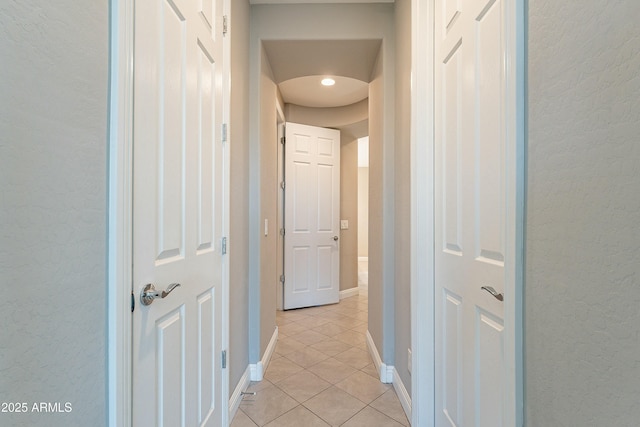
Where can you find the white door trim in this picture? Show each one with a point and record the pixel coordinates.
(120, 236)
(422, 208)
(422, 218)
(120, 214)
(226, 197)
(515, 182)
(280, 126)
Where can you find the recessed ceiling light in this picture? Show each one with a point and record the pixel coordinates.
(328, 82)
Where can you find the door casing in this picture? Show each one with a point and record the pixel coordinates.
(120, 214)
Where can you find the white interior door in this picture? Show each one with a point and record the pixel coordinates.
(312, 216)
(178, 213)
(471, 124)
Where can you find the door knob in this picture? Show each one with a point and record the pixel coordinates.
(149, 293)
(335, 238)
(493, 292)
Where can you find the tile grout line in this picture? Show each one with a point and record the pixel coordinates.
(352, 323)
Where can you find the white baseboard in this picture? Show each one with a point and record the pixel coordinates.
(363, 289)
(363, 259)
(257, 369)
(351, 292)
(385, 371)
(403, 394)
(236, 397)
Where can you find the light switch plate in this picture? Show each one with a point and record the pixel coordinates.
(344, 224)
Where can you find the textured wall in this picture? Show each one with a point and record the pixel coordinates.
(582, 290)
(376, 206)
(403, 191)
(349, 211)
(239, 234)
(53, 209)
(335, 117)
(268, 202)
(363, 212)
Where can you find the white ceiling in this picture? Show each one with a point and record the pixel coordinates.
(297, 65)
(297, 58)
(307, 91)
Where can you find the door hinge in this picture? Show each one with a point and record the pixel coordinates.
(224, 132)
(133, 301)
(282, 185)
(224, 246)
(224, 359)
(225, 25)
(283, 140)
(282, 279)
(282, 232)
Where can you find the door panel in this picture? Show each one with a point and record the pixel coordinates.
(177, 215)
(325, 267)
(206, 304)
(450, 105)
(171, 132)
(170, 358)
(312, 216)
(326, 216)
(489, 367)
(470, 194)
(300, 265)
(301, 205)
(207, 164)
(490, 156)
(452, 357)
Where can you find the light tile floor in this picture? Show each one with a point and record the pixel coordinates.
(321, 374)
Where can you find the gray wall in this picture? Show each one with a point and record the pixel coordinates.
(333, 117)
(377, 302)
(239, 226)
(269, 98)
(582, 295)
(363, 211)
(403, 191)
(53, 208)
(349, 211)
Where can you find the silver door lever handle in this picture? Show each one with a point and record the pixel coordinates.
(493, 292)
(149, 293)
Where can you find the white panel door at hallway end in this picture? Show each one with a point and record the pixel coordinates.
(178, 214)
(312, 216)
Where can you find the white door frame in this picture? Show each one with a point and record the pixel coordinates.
(422, 213)
(280, 126)
(120, 236)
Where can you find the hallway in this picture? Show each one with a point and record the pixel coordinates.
(321, 374)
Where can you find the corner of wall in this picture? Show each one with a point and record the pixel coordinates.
(257, 370)
(385, 371)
